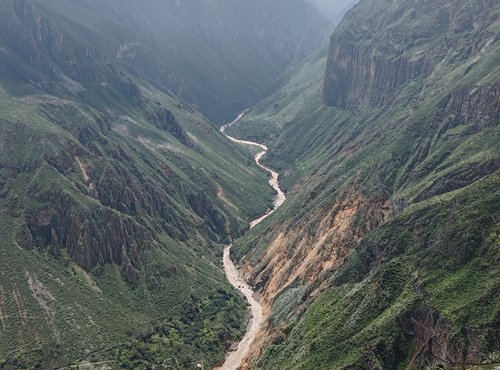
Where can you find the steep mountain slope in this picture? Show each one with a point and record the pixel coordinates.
(220, 55)
(386, 254)
(115, 202)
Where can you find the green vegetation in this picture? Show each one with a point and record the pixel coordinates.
(98, 317)
(421, 287)
(197, 334)
(116, 199)
(360, 319)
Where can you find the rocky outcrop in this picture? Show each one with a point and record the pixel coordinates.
(319, 243)
(127, 212)
(475, 108)
(459, 178)
(125, 190)
(166, 121)
(373, 56)
(368, 60)
(479, 106)
(358, 78)
(214, 220)
(436, 343)
(91, 239)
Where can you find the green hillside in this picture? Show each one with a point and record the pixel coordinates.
(118, 195)
(385, 255)
(116, 200)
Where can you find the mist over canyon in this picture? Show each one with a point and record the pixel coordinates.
(266, 184)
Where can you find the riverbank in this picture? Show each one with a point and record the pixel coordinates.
(235, 358)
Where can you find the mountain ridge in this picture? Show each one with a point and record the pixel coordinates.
(219, 57)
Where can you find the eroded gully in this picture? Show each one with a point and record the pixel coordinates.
(235, 358)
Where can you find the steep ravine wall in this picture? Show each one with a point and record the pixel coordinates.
(320, 242)
(128, 212)
(300, 254)
(369, 60)
(358, 78)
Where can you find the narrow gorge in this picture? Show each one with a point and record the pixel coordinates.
(349, 219)
(236, 356)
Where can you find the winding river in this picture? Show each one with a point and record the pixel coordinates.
(235, 358)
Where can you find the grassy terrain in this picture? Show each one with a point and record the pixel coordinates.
(116, 200)
(421, 287)
(396, 274)
(56, 314)
(95, 313)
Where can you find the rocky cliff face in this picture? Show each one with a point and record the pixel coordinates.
(371, 59)
(46, 49)
(479, 105)
(165, 120)
(90, 240)
(112, 231)
(357, 78)
(434, 337)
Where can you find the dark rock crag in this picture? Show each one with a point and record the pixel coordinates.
(166, 121)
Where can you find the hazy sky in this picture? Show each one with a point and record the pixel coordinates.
(333, 9)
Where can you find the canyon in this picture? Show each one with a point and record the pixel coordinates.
(348, 219)
(234, 276)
